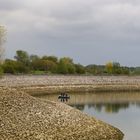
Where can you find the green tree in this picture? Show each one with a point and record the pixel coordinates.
(71, 69)
(34, 57)
(44, 65)
(23, 57)
(53, 58)
(50, 58)
(66, 66)
(125, 70)
(39, 64)
(79, 69)
(95, 69)
(9, 66)
(13, 67)
(51, 66)
(62, 67)
(116, 68)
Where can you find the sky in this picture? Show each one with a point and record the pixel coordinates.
(89, 31)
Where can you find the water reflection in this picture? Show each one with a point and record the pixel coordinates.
(108, 102)
(121, 110)
(108, 108)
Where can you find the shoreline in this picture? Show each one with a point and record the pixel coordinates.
(44, 84)
(42, 90)
(25, 117)
(38, 85)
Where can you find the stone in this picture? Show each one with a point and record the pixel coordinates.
(24, 117)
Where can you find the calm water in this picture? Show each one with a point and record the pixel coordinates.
(119, 109)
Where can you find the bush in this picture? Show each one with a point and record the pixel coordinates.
(1, 71)
(13, 67)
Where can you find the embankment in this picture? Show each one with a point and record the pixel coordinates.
(23, 117)
(37, 85)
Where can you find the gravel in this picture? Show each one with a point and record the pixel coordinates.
(43, 80)
(23, 117)
(44, 84)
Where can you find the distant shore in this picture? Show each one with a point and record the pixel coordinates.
(44, 84)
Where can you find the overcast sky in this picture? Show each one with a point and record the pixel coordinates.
(89, 31)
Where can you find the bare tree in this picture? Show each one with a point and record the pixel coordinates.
(2, 40)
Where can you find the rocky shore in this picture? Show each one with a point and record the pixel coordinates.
(37, 85)
(23, 117)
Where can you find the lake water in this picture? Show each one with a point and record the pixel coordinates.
(121, 110)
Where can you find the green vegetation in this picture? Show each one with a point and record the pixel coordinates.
(23, 63)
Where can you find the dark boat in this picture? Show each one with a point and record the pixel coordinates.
(63, 96)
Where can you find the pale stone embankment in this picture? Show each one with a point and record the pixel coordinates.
(23, 117)
(37, 85)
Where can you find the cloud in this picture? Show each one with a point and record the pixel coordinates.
(72, 23)
(7, 5)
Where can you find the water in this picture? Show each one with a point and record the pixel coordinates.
(121, 110)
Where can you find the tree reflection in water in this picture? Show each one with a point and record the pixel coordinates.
(108, 108)
(107, 102)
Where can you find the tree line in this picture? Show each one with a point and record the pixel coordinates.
(23, 63)
(34, 64)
